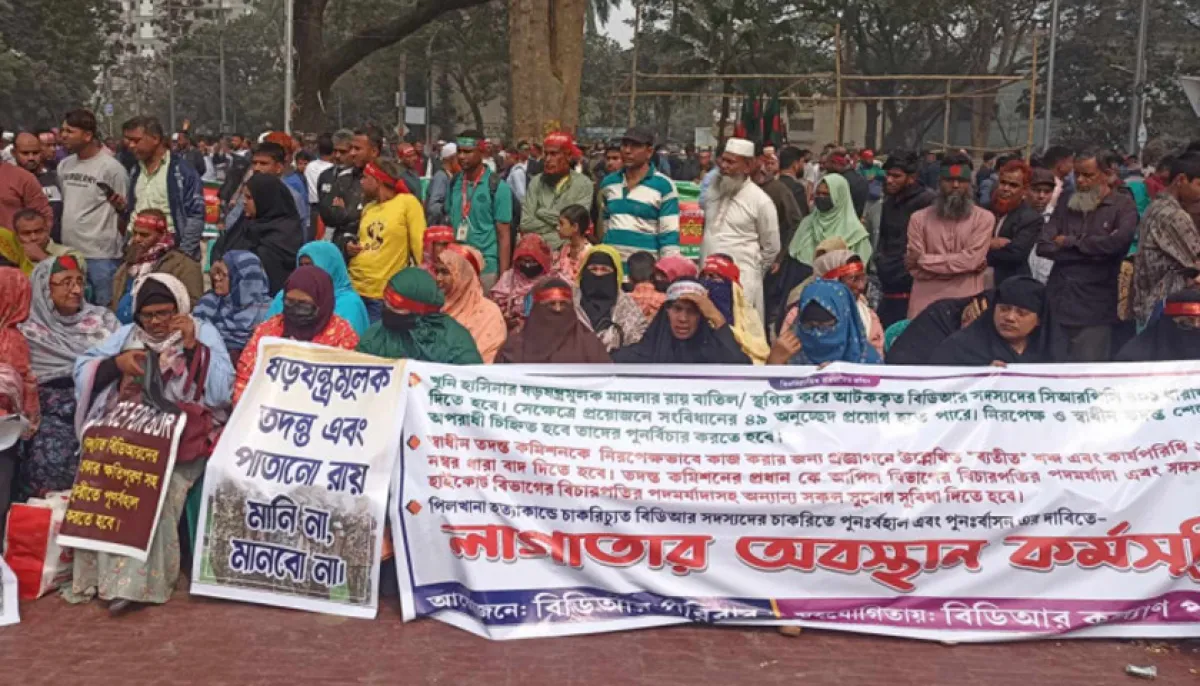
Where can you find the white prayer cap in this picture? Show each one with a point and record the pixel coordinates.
(449, 150)
(740, 147)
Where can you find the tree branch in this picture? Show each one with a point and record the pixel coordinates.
(369, 39)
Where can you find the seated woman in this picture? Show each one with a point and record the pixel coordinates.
(152, 249)
(270, 227)
(436, 240)
(112, 371)
(18, 387)
(936, 323)
(672, 268)
(238, 301)
(688, 330)
(846, 267)
(413, 326)
(12, 252)
(722, 278)
(348, 304)
(828, 329)
(61, 327)
(458, 280)
(643, 287)
(553, 334)
(308, 315)
(530, 262)
(1175, 335)
(613, 314)
(1013, 330)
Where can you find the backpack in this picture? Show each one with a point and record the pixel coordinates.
(494, 185)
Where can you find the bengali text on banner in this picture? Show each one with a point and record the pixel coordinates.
(948, 504)
(295, 493)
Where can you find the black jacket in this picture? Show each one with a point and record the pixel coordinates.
(1084, 283)
(341, 223)
(1022, 226)
(893, 236)
(860, 191)
(235, 175)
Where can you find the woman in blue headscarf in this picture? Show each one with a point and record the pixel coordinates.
(347, 303)
(829, 329)
(238, 301)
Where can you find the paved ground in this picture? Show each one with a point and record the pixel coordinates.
(203, 641)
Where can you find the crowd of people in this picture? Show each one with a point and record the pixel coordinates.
(545, 254)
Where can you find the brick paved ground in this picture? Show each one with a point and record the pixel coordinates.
(203, 641)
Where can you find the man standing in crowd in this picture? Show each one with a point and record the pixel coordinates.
(612, 164)
(410, 169)
(904, 196)
(555, 189)
(20, 189)
(95, 186)
(838, 162)
(948, 243)
(1087, 238)
(791, 174)
(162, 182)
(391, 233)
(439, 186)
(985, 179)
(1041, 190)
(314, 170)
(188, 153)
(1060, 160)
(1018, 225)
(341, 207)
(271, 158)
(1169, 245)
(787, 211)
(931, 170)
(31, 156)
(742, 221)
(518, 173)
(237, 172)
(641, 206)
(481, 208)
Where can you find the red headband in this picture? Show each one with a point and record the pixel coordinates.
(468, 255)
(564, 140)
(439, 234)
(150, 221)
(399, 302)
(372, 170)
(1182, 309)
(847, 269)
(723, 267)
(551, 294)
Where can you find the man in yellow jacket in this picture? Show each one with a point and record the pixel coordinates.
(391, 233)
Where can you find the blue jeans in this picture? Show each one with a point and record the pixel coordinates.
(100, 275)
(374, 308)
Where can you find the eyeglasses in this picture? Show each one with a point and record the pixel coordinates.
(67, 284)
(151, 317)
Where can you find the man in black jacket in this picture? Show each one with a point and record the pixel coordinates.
(903, 196)
(341, 207)
(1018, 225)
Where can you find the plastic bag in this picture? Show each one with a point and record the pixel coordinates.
(30, 547)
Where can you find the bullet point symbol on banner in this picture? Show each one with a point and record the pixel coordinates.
(414, 442)
(413, 507)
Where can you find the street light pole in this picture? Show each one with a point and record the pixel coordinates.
(221, 56)
(1049, 124)
(288, 75)
(1139, 81)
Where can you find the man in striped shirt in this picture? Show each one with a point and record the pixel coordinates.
(641, 207)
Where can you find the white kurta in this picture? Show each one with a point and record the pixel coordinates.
(745, 227)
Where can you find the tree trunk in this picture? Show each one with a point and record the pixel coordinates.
(471, 100)
(310, 45)
(545, 42)
(726, 85)
(981, 122)
(872, 124)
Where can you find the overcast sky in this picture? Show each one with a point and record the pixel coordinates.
(616, 28)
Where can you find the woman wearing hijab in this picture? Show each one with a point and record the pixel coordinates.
(941, 320)
(457, 279)
(152, 249)
(671, 268)
(348, 304)
(722, 278)
(531, 261)
(61, 327)
(828, 329)
(553, 334)
(436, 240)
(1175, 335)
(688, 330)
(613, 314)
(113, 370)
(270, 227)
(833, 217)
(848, 268)
(18, 386)
(1013, 330)
(413, 327)
(12, 253)
(308, 315)
(238, 301)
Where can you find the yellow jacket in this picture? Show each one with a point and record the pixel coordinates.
(391, 234)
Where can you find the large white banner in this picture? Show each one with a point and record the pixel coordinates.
(951, 504)
(295, 493)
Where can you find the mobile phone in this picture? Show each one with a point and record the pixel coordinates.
(106, 189)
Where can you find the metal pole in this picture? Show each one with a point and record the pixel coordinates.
(637, 26)
(1049, 122)
(1032, 97)
(401, 96)
(288, 75)
(1139, 81)
(837, 70)
(946, 119)
(171, 66)
(221, 57)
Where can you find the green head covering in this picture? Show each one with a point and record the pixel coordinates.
(427, 337)
(839, 222)
(417, 284)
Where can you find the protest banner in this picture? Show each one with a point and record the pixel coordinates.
(125, 464)
(296, 490)
(948, 504)
(9, 611)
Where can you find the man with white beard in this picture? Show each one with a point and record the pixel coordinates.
(740, 219)
(948, 242)
(1087, 238)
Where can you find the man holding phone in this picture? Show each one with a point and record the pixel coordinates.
(94, 188)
